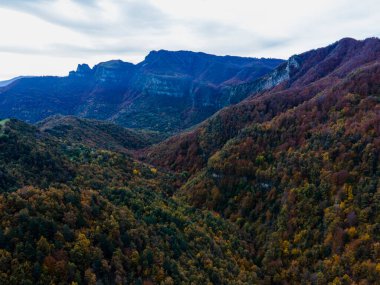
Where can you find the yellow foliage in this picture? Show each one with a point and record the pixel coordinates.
(90, 277)
(160, 274)
(135, 257)
(82, 243)
(296, 251)
(365, 237)
(336, 281)
(153, 170)
(299, 236)
(352, 232)
(168, 281)
(346, 278)
(378, 267)
(136, 172)
(348, 189)
(43, 245)
(208, 263)
(285, 246)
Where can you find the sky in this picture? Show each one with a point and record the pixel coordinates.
(51, 37)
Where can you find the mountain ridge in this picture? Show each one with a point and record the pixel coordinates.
(191, 150)
(10, 81)
(280, 188)
(97, 134)
(296, 166)
(167, 92)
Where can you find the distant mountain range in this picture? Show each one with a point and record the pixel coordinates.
(7, 82)
(168, 91)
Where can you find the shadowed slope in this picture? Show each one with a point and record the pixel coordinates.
(167, 92)
(98, 134)
(300, 79)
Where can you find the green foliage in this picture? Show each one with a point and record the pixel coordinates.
(280, 189)
(3, 122)
(2, 125)
(76, 215)
(98, 134)
(305, 186)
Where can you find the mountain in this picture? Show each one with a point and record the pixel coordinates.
(280, 188)
(8, 82)
(296, 166)
(294, 82)
(72, 214)
(305, 185)
(167, 92)
(97, 134)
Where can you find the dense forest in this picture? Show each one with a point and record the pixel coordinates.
(305, 186)
(77, 215)
(281, 188)
(297, 168)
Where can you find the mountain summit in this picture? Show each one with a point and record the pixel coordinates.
(168, 91)
(292, 83)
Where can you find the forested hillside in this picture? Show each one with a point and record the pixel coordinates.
(281, 188)
(305, 186)
(98, 134)
(76, 214)
(317, 71)
(297, 168)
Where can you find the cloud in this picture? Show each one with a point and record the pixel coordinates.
(96, 30)
(99, 18)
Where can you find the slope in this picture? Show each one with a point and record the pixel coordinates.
(167, 92)
(73, 214)
(305, 185)
(97, 134)
(299, 79)
(297, 167)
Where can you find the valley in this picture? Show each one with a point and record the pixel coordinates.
(190, 168)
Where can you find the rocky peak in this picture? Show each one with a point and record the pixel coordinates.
(113, 70)
(83, 70)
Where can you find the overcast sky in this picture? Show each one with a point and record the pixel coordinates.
(50, 37)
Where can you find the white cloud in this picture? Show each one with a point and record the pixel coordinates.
(52, 37)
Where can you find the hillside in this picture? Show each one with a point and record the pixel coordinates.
(97, 134)
(76, 214)
(7, 82)
(280, 188)
(298, 80)
(296, 167)
(167, 92)
(305, 185)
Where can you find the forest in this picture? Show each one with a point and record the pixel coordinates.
(280, 188)
(78, 215)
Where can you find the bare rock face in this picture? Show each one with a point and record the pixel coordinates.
(83, 70)
(168, 91)
(335, 60)
(347, 66)
(281, 74)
